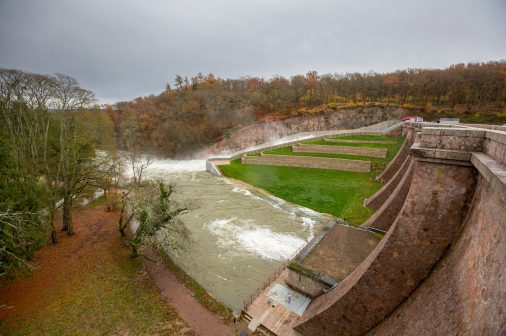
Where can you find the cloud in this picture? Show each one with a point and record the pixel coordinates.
(123, 49)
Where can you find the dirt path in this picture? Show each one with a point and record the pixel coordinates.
(176, 295)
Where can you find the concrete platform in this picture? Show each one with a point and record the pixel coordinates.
(268, 313)
(292, 300)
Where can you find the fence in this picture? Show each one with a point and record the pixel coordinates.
(274, 275)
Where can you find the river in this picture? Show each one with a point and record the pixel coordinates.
(239, 235)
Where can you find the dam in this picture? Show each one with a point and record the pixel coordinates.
(237, 229)
(438, 267)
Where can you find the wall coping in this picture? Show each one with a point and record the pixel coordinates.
(441, 154)
(492, 171)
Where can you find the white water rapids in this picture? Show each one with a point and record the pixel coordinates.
(239, 236)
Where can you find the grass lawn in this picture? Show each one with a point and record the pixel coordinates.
(338, 193)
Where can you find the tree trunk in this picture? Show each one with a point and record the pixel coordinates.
(67, 216)
(135, 253)
(54, 237)
(121, 225)
(64, 214)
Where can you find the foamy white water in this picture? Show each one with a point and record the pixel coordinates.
(238, 236)
(246, 235)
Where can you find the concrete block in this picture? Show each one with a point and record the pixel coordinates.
(431, 131)
(453, 132)
(497, 136)
(452, 155)
(418, 151)
(476, 133)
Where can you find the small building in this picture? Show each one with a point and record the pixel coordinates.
(413, 119)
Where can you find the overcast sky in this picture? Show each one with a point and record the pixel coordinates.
(123, 49)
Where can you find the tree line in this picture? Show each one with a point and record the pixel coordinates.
(49, 137)
(201, 110)
(56, 148)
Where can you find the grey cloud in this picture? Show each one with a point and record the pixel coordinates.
(124, 49)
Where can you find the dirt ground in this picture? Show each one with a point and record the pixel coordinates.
(176, 295)
(87, 284)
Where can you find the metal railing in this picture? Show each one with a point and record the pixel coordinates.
(274, 275)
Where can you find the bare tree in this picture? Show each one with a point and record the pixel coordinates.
(129, 137)
(138, 164)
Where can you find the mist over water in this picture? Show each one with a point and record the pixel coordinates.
(239, 236)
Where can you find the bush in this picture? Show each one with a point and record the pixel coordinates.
(332, 105)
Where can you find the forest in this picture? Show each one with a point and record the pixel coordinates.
(56, 150)
(50, 139)
(192, 113)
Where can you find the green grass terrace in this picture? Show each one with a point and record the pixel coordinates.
(335, 192)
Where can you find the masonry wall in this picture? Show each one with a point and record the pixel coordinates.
(362, 141)
(308, 162)
(347, 150)
(305, 284)
(399, 158)
(466, 293)
(495, 146)
(389, 210)
(376, 201)
(414, 243)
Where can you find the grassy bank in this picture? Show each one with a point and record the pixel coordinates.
(198, 292)
(87, 285)
(338, 193)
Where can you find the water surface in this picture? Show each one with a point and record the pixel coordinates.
(239, 235)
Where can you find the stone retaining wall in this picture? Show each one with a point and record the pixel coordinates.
(361, 141)
(394, 165)
(465, 293)
(347, 150)
(377, 200)
(452, 138)
(464, 288)
(494, 145)
(404, 257)
(389, 210)
(308, 162)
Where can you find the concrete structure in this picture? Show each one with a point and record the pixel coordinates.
(449, 121)
(459, 185)
(379, 198)
(394, 165)
(308, 162)
(347, 150)
(439, 269)
(382, 219)
(382, 128)
(361, 141)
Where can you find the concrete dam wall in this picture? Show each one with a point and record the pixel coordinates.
(439, 269)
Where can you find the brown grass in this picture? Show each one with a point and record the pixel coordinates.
(87, 285)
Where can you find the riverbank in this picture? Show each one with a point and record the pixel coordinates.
(88, 284)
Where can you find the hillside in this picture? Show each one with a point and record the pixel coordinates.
(204, 110)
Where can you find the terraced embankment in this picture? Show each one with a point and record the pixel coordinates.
(331, 183)
(308, 162)
(438, 270)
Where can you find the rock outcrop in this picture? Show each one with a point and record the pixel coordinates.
(262, 132)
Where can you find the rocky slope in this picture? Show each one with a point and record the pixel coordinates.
(262, 132)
